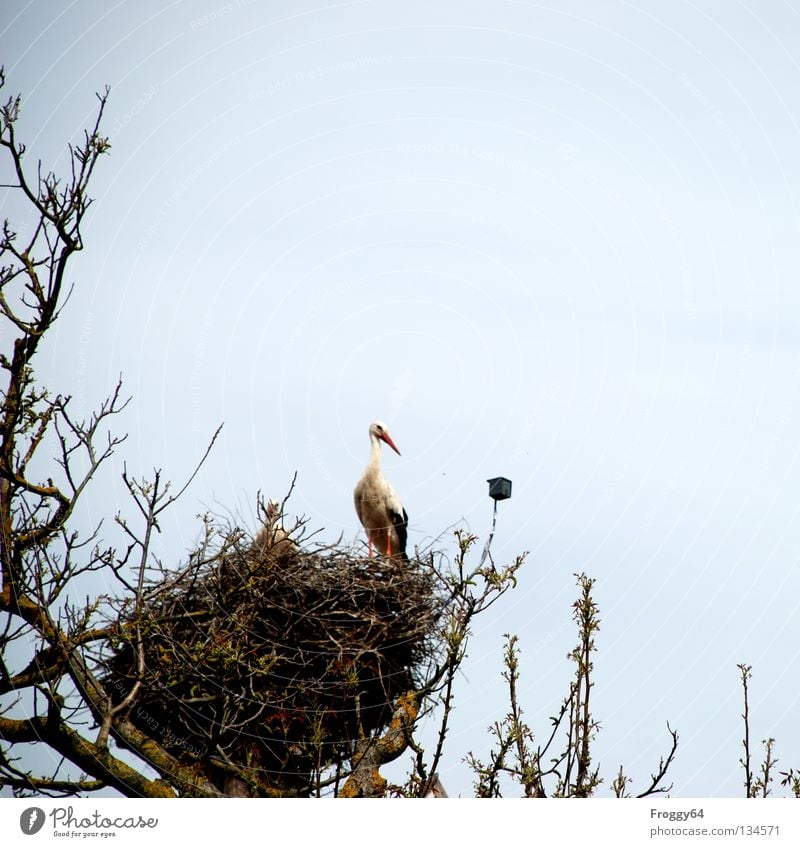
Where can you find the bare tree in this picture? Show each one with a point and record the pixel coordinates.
(518, 761)
(759, 786)
(42, 559)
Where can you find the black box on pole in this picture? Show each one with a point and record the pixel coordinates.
(499, 488)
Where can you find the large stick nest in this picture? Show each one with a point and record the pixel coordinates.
(269, 660)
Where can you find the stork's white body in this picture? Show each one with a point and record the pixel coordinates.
(377, 505)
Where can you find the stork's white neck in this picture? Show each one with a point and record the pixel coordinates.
(375, 453)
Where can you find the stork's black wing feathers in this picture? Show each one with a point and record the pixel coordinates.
(400, 523)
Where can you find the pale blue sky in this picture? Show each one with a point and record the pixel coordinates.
(556, 241)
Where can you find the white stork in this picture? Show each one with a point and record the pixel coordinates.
(377, 505)
(272, 537)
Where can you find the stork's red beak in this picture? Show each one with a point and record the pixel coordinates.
(388, 439)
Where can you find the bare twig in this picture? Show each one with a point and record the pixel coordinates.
(745, 671)
(663, 766)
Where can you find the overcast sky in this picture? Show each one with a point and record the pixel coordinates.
(556, 241)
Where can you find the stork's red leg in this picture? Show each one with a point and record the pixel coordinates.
(369, 542)
(388, 543)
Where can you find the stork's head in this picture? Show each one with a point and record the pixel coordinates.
(379, 430)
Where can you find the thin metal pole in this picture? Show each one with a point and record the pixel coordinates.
(491, 536)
